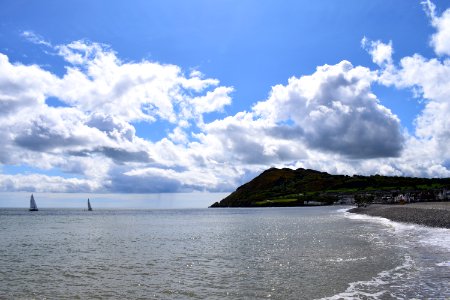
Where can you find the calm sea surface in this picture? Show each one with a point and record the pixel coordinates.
(279, 253)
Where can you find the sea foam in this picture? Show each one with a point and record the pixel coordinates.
(373, 288)
(383, 284)
(430, 236)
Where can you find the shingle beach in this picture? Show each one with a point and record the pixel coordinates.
(433, 214)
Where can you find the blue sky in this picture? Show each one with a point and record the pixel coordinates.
(182, 96)
(250, 45)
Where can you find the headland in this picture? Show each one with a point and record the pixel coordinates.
(304, 187)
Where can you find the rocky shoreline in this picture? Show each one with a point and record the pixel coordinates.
(433, 214)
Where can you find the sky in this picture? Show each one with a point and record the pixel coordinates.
(198, 96)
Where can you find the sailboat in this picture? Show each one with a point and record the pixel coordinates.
(89, 205)
(33, 206)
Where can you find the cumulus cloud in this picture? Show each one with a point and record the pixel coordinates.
(381, 53)
(103, 95)
(52, 129)
(440, 40)
(329, 120)
(427, 149)
(213, 100)
(22, 87)
(44, 183)
(159, 179)
(113, 127)
(430, 79)
(98, 81)
(335, 110)
(247, 139)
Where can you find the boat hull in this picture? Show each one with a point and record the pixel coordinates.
(33, 209)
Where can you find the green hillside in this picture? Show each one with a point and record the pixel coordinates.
(286, 187)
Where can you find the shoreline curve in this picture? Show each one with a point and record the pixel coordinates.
(432, 214)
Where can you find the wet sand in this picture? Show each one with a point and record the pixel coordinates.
(434, 214)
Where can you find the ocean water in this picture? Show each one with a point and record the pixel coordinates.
(278, 253)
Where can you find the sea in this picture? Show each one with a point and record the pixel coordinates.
(240, 253)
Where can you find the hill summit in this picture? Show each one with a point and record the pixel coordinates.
(287, 187)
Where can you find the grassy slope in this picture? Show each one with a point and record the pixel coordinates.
(283, 186)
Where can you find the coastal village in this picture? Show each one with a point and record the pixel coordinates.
(306, 187)
(392, 197)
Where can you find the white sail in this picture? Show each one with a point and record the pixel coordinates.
(89, 205)
(33, 206)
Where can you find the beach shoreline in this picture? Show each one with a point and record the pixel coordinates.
(432, 214)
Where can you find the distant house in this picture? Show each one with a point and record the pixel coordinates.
(311, 202)
(401, 198)
(346, 200)
(443, 195)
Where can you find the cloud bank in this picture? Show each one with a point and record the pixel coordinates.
(330, 120)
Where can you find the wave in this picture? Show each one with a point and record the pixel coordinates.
(443, 264)
(344, 210)
(339, 259)
(378, 286)
(429, 236)
(411, 278)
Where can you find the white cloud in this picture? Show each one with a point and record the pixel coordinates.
(213, 100)
(431, 80)
(35, 39)
(103, 95)
(245, 139)
(43, 183)
(23, 87)
(427, 150)
(381, 53)
(100, 82)
(329, 120)
(179, 136)
(441, 39)
(335, 110)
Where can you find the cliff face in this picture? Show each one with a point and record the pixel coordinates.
(308, 184)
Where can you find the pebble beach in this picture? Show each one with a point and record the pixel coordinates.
(433, 214)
